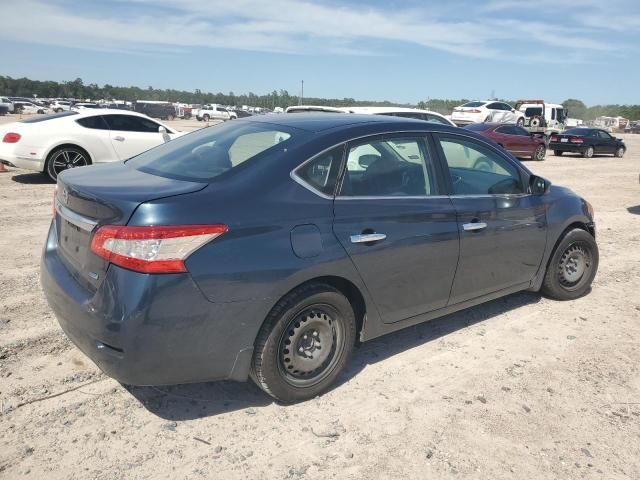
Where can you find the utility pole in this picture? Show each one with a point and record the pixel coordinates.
(301, 100)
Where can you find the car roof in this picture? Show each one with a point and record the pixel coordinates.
(378, 110)
(318, 122)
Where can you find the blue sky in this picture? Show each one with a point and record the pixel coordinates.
(400, 51)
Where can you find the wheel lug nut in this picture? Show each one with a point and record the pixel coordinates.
(315, 334)
(301, 349)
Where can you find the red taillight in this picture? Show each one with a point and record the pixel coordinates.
(575, 140)
(153, 249)
(554, 138)
(474, 111)
(11, 137)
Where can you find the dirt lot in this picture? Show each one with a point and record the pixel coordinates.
(520, 387)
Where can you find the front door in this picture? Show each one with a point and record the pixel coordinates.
(399, 232)
(502, 227)
(606, 143)
(132, 135)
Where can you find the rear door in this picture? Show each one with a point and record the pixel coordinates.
(502, 227)
(132, 135)
(400, 233)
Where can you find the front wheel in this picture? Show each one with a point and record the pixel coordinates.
(588, 153)
(520, 122)
(304, 343)
(539, 153)
(620, 152)
(572, 267)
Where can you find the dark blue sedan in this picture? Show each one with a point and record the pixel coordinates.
(265, 247)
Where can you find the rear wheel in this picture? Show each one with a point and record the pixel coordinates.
(304, 343)
(588, 153)
(539, 153)
(572, 267)
(65, 158)
(205, 117)
(558, 153)
(620, 152)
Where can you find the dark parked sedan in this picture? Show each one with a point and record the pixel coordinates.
(587, 142)
(513, 138)
(265, 247)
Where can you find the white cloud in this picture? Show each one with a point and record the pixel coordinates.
(297, 27)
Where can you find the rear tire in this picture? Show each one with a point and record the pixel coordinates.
(558, 153)
(206, 117)
(304, 343)
(64, 158)
(588, 153)
(572, 267)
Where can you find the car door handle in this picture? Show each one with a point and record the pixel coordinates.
(368, 237)
(473, 226)
(119, 138)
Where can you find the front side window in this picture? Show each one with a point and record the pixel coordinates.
(130, 123)
(476, 169)
(396, 167)
(203, 155)
(322, 172)
(521, 131)
(494, 106)
(604, 135)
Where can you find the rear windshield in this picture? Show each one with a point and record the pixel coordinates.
(44, 118)
(477, 127)
(474, 104)
(578, 131)
(533, 112)
(207, 153)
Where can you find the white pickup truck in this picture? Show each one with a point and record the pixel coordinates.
(214, 112)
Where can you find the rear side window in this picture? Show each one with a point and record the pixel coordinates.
(205, 154)
(435, 119)
(506, 130)
(473, 104)
(322, 172)
(131, 123)
(96, 123)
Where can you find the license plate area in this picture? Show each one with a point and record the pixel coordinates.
(564, 140)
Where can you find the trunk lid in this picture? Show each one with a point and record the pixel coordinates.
(108, 194)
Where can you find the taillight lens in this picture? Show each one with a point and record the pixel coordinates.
(11, 137)
(553, 138)
(153, 249)
(575, 140)
(475, 111)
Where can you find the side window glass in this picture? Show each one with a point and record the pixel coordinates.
(394, 167)
(506, 130)
(493, 106)
(604, 135)
(553, 114)
(478, 170)
(129, 123)
(96, 123)
(435, 119)
(521, 131)
(322, 172)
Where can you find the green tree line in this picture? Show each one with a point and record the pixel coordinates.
(25, 87)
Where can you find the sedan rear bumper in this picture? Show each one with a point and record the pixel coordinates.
(567, 147)
(152, 329)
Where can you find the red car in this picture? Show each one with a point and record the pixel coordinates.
(516, 140)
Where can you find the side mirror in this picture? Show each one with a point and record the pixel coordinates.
(165, 135)
(539, 185)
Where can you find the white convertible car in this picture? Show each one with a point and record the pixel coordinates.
(56, 142)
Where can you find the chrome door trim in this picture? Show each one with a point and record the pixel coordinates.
(474, 226)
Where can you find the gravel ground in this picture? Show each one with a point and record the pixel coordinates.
(522, 386)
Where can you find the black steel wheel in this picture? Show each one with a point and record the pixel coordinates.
(572, 267)
(65, 158)
(304, 343)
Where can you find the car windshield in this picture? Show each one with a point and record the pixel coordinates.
(578, 131)
(208, 153)
(474, 104)
(477, 127)
(44, 118)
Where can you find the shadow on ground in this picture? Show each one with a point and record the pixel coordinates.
(187, 402)
(32, 179)
(635, 210)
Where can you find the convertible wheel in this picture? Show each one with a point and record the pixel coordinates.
(620, 152)
(64, 159)
(304, 343)
(588, 153)
(539, 153)
(572, 267)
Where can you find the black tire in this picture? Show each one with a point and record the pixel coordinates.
(558, 153)
(68, 155)
(620, 152)
(539, 153)
(308, 318)
(588, 153)
(206, 117)
(572, 267)
(520, 122)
